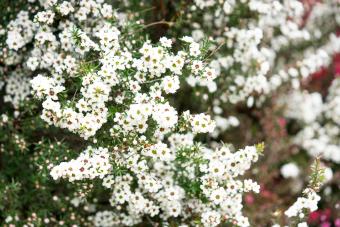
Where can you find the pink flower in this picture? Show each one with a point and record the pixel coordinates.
(249, 199)
(336, 64)
(337, 222)
(326, 215)
(326, 224)
(314, 216)
(282, 122)
(320, 74)
(265, 193)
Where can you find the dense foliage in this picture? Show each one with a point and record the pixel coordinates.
(169, 113)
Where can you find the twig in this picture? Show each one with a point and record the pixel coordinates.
(151, 81)
(169, 23)
(74, 95)
(146, 10)
(214, 51)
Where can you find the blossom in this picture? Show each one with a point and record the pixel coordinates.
(92, 163)
(290, 170)
(309, 202)
(202, 123)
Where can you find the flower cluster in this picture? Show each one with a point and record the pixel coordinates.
(290, 170)
(312, 62)
(303, 106)
(91, 111)
(319, 135)
(91, 163)
(121, 120)
(309, 202)
(160, 190)
(17, 88)
(136, 79)
(253, 49)
(202, 123)
(20, 31)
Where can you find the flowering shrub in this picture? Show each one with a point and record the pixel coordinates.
(321, 130)
(131, 113)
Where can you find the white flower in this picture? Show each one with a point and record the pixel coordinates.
(159, 151)
(211, 218)
(309, 201)
(187, 39)
(194, 49)
(202, 123)
(165, 42)
(218, 195)
(92, 163)
(170, 84)
(65, 8)
(302, 224)
(216, 168)
(227, 8)
(45, 17)
(290, 170)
